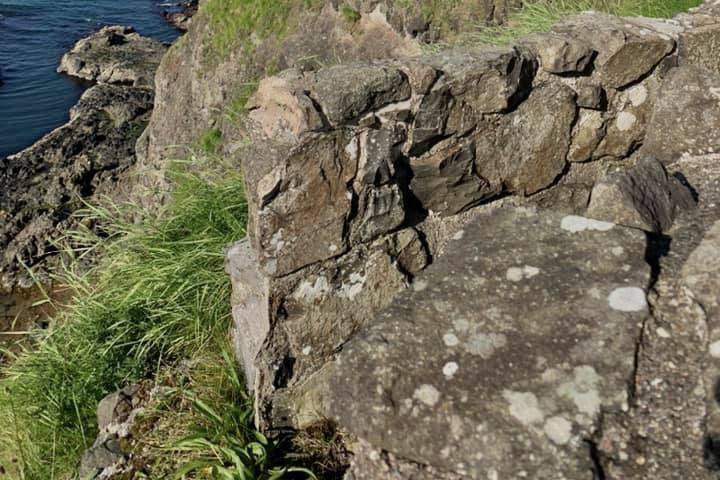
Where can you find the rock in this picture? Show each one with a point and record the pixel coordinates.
(496, 349)
(588, 132)
(687, 105)
(700, 47)
(627, 50)
(115, 55)
(526, 151)
(672, 423)
(41, 186)
(644, 197)
(250, 302)
(488, 80)
(559, 54)
(445, 179)
(182, 17)
(364, 88)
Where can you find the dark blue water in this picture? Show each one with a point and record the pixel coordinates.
(34, 34)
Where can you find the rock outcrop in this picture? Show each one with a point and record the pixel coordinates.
(43, 185)
(116, 55)
(564, 326)
(200, 84)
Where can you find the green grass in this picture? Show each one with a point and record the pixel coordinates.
(159, 295)
(540, 15)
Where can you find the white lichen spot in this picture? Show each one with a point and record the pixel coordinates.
(451, 340)
(351, 290)
(427, 394)
(714, 349)
(524, 406)
(459, 235)
(352, 149)
(312, 291)
(662, 333)
(516, 274)
(276, 241)
(628, 299)
(306, 351)
(420, 285)
(625, 121)
(637, 95)
(530, 272)
(583, 391)
(461, 324)
(484, 345)
(450, 369)
(574, 224)
(492, 474)
(617, 251)
(333, 248)
(558, 429)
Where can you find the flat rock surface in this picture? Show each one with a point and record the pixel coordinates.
(501, 359)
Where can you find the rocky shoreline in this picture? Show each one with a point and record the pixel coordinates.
(88, 157)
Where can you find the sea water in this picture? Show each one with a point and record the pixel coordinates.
(34, 34)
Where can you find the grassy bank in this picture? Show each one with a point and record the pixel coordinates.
(159, 296)
(540, 15)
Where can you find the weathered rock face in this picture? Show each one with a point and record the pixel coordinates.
(497, 350)
(341, 160)
(360, 175)
(115, 55)
(41, 186)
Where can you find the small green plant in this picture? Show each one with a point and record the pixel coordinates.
(211, 142)
(224, 444)
(350, 14)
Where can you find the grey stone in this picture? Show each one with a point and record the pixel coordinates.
(685, 115)
(380, 210)
(558, 53)
(488, 80)
(498, 360)
(445, 179)
(250, 306)
(363, 88)
(588, 132)
(527, 150)
(644, 197)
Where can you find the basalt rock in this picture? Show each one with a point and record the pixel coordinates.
(116, 55)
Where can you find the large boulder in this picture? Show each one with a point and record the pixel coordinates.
(115, 55)
(503, 357)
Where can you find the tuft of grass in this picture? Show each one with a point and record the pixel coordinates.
(540, 15)
(350, 14)
(210, 142)
(159, 295)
